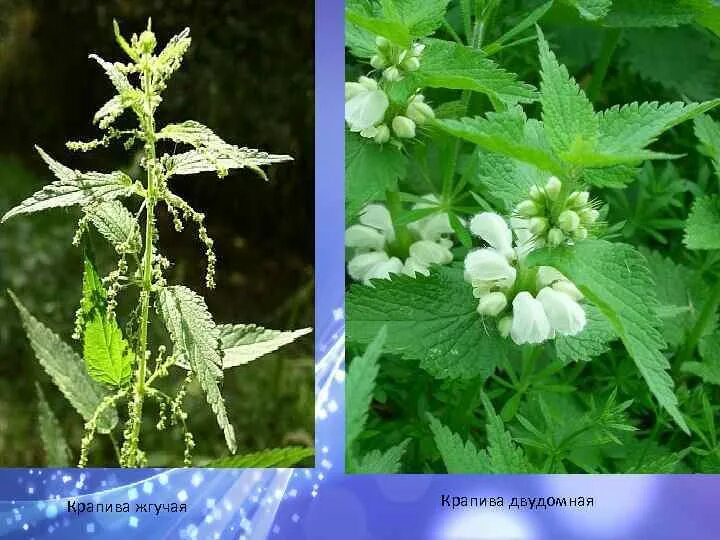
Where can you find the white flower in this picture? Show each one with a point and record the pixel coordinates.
(566, 316)
(403, 127)
(530, 324)
(494, 230)
(492, 304)
(547, 276)
(383, 270)
(488, 266)
(365, 105)
(433, 227)
(419, 111)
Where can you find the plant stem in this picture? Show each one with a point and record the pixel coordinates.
(148, 124)
(402, 234)
(609, 43)
(703, 321)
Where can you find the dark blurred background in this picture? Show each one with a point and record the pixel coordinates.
(248, 76)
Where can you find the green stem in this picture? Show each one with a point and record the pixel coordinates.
(609, 43)
(701, 325)
(403, 239)
(139, 390)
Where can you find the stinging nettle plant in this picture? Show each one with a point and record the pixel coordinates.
(119, 365)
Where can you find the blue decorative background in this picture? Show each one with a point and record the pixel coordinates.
(322, 503)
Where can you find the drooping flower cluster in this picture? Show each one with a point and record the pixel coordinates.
(532, 304)
(554, 220)
(375, 254)
(366, 108)
(396, 61)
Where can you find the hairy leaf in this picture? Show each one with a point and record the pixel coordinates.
(370, 169)
(568, 115)
(459, 457)
(592, 341)
(379, 462)
(57, 452)
(702, 230)
(592, 9)
(447, 64)
(504, 456)
(617, 176)
(616, 279)
(647, 13)
(243, 343)
(196, 337)
(360, 385)
(67, 370)
(116, 76)
(73, 187)
(432, 319)
(117, 225)
(281, 458)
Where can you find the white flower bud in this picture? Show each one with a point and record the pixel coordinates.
(538, 225)
(553, 187)
(382, 135)
(566, 316)
(555, 237)
(411, 63)
(589, 215)
(367, 82)
(569, 288)
(417, 49)
(578, 199)
(504, 326)
(569, 220)
(147, 41)
(536, 193)
(527, 209)
(382, 43)
(352, 89)
(483, 266)
(492, 304)
(581, 233)
(378, 61)
(419, 111)
(403, 127)
(493, 229)
(392, 74)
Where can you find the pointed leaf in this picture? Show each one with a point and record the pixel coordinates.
(117, 225)
(459, 457)
(702, 230)
(243, 343)
(593, 341)
(196, 337)
(265, 459)
(379, 462)
(57, 452)
(359, 387)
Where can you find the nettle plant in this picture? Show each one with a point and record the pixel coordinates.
(119, 367)
(489, 273)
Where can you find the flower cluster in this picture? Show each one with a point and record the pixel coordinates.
(375, 254)
(366, 107)
(532, 304)
(553, 219)
(396, 61)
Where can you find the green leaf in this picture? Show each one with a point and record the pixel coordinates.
(709, 347)
(281, 458)
(617, 176)
(636, 125)
(702, 230)
(432, 319)
(117, 225)
(422, 17)
(593, 341)
(395, 31)
(243, 343)
(648, 13)
(568, 115)
(196, 337)
(170, 58)
(57, 452)
(67, 370)
(378, 462)
(708, 133)
(211, 152)
(592, 9)
(505, 133)
(73, 187)
(370, 169)
(116, 75)
(459, 457)
(709, 369)
(527, 22)
(359, 387)
(616, 279)
(503, 455)
(447, 64)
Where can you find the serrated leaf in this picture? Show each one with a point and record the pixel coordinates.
(107, 355)
(648, 13)
(505, 133)
(432, 319)
(112, 108)
(591, 10)
(117, 225)
(567, 113)
(57, 452)
(708, 133)
(617, 176)
(172, 54)
(211, 152)
(243, 343)
(73, 187)
(196, 337)
(379, 462)
(616, 279)
(709, 347)
(593, 341)
(422, 17)
(709, 369)
(503, 455)
(459, 457)
(702, 230)
(359, 387)
(447, 64)
(67, 370)
(370, 169)
(116, 76)
(274, 457)
(636, 125)
(395, 31)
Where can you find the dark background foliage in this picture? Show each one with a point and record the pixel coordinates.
(248, 76)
